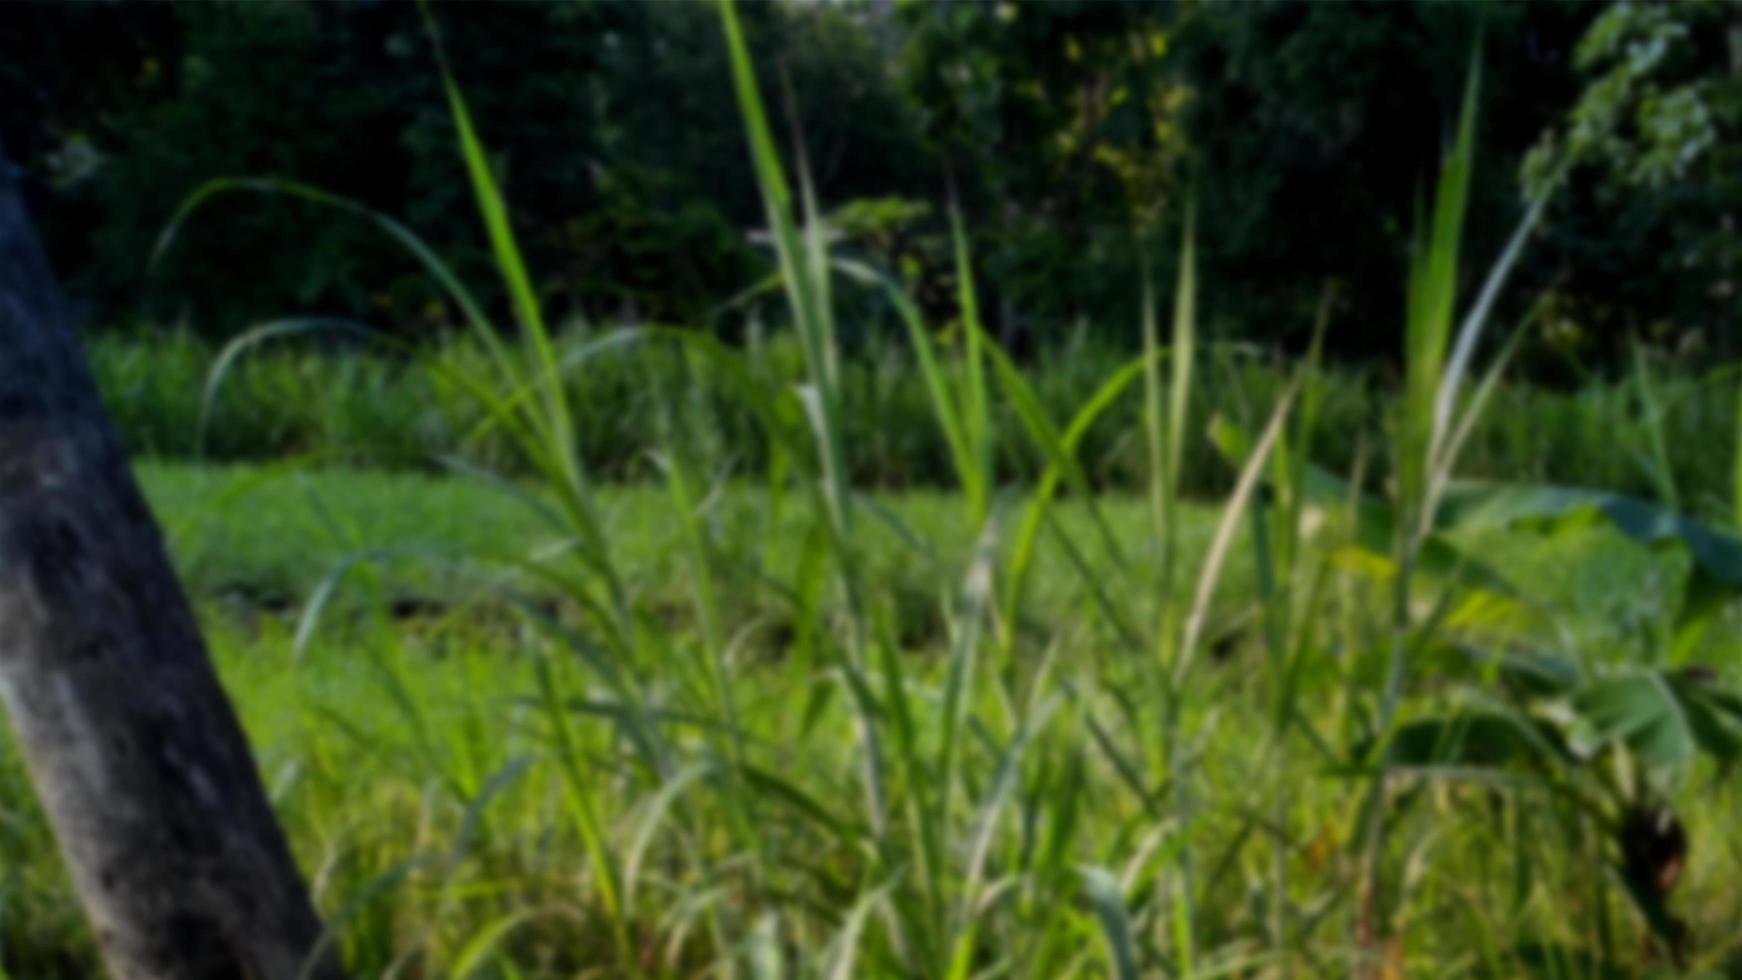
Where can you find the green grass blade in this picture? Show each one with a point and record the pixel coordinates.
(252, 338)
(1471, 330)
(403, 236)
(1115, 919)
(801, 280)
(1051, 444)
(975, 407)
(484, 942)
(974, 604)
(1222, 541)
(1184, 355)
(1433, 295)
(972, 471)
(1022, 550)
(493, 209)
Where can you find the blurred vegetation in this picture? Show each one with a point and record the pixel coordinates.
(738, 715)
(338, 404)
(1068, 135)
(616, 138)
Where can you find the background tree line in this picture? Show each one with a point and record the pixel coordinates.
(1070, 136)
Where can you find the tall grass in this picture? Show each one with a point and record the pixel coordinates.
(1180, 760)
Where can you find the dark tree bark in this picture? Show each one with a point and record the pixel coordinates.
(132, 747)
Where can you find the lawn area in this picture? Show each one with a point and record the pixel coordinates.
(253, 536)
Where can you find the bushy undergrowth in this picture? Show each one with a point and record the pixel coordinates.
(295, 397)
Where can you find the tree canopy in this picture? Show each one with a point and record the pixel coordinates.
(1070, 138)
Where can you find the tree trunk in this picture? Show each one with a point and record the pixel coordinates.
(134, 752)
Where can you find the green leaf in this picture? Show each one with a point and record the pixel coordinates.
(1665, 719)
(1716, 554)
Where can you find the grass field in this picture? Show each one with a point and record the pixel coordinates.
(728, 712)
(411, 747)
(248, 536)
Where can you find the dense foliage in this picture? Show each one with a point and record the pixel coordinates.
(613, 131)
(1068, 135)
